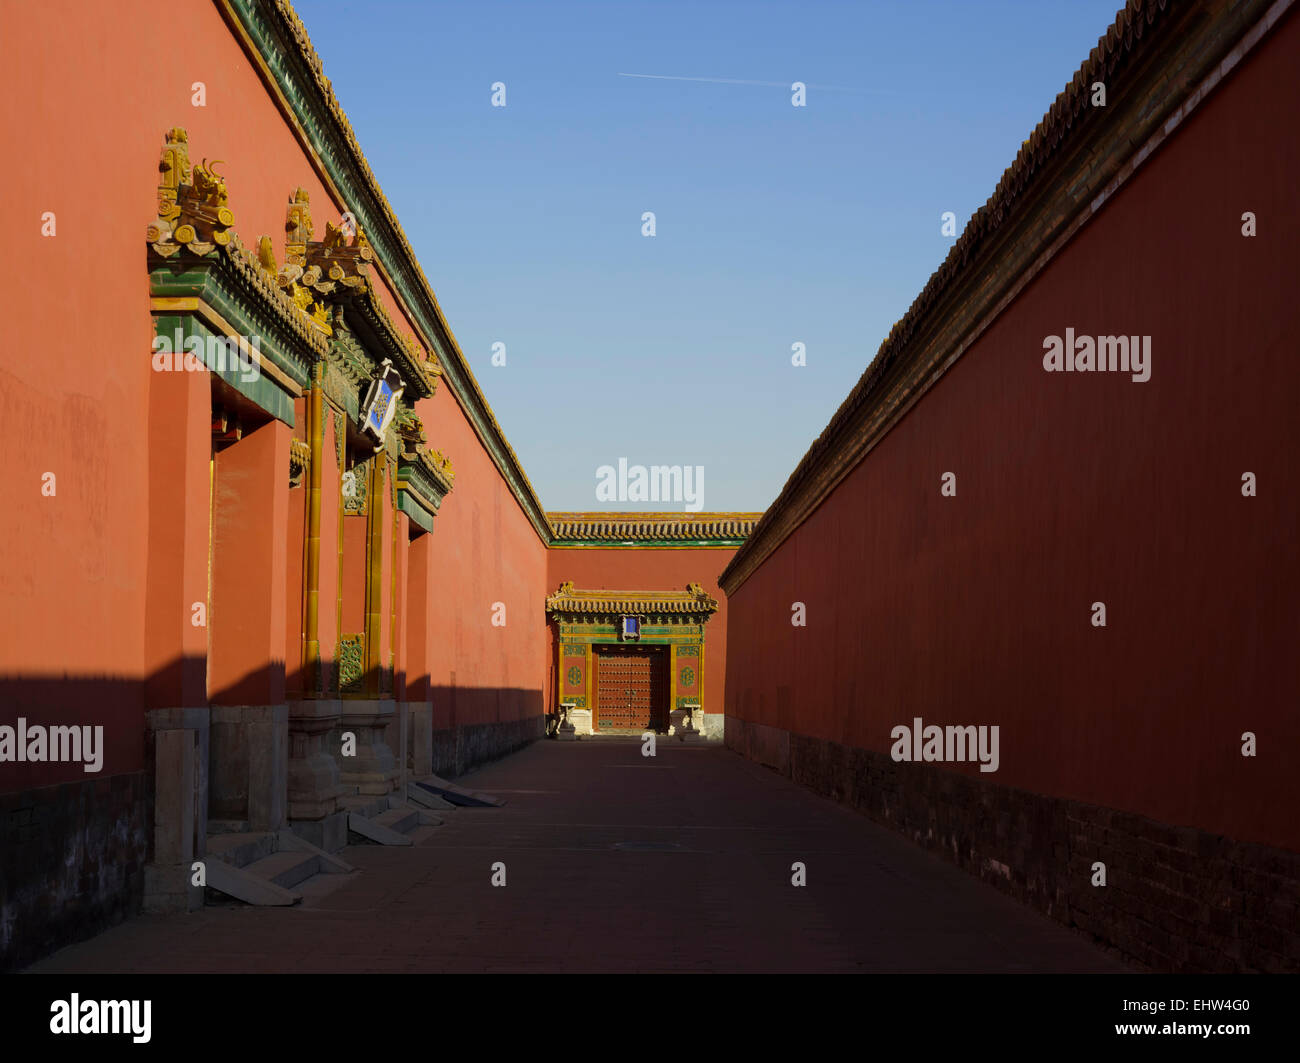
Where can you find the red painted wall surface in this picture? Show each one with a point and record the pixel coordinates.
(83, 139)
(1077, 488)
(638, 569)
(484, 551)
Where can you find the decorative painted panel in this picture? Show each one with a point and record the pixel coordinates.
(350, 666)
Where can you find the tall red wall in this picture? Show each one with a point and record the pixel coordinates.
(646, 569)
(1077, 488)
(84, 135)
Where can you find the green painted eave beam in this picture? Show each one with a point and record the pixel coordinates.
(420, 515)
(259, 389)
(205, 281)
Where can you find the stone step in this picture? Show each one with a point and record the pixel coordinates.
(369, 830)
(285, 869)
(243, 885)
(402, 819)
(241, 849)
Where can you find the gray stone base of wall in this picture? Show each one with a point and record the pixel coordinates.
(72, 860)
(1176, 899)
(457, 750)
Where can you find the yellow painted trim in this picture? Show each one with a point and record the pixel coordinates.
(168, 304)
(639, 546)
(311, 559)
(374, 574)
(590, 671)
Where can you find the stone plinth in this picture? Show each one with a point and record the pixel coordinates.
(314, 785)
(373, 771)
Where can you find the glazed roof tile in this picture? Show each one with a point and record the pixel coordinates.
(625, 527)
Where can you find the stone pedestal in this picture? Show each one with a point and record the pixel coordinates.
(373, 771)
(314, 787)
(564, 729)
(681, 723)
(580, 719)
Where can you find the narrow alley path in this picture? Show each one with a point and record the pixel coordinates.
(619, 862)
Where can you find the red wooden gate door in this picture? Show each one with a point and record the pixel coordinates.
(631, 688)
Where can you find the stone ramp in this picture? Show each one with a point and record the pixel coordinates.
(457, 795)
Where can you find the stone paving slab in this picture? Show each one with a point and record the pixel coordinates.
(620, 863)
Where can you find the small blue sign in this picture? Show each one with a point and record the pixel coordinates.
(379, 407)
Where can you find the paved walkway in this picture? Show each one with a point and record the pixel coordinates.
(617, 862)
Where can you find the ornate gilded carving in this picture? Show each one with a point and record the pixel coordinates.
(409, 431)
(193, 217)
(348, 356)
(338, 436)
(299, 460)
(317, 272)
(192, 202)
(440, 466)
(350, 666)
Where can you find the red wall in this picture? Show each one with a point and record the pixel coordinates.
(1087, 487)
(638, 569)
(84, 136)
(485, 550)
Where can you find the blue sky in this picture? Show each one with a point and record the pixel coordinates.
(774, 224)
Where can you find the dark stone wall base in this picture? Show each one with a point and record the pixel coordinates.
(72, 861)
(1176, 899)
(457, 750)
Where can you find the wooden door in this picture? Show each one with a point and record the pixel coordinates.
(631, 688)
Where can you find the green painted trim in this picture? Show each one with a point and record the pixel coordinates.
(262, 390)
(409, 504)
(279, 50)
(214, 282)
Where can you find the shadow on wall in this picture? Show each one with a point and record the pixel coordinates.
(470, 726)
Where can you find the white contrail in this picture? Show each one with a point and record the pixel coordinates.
(743, 81)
